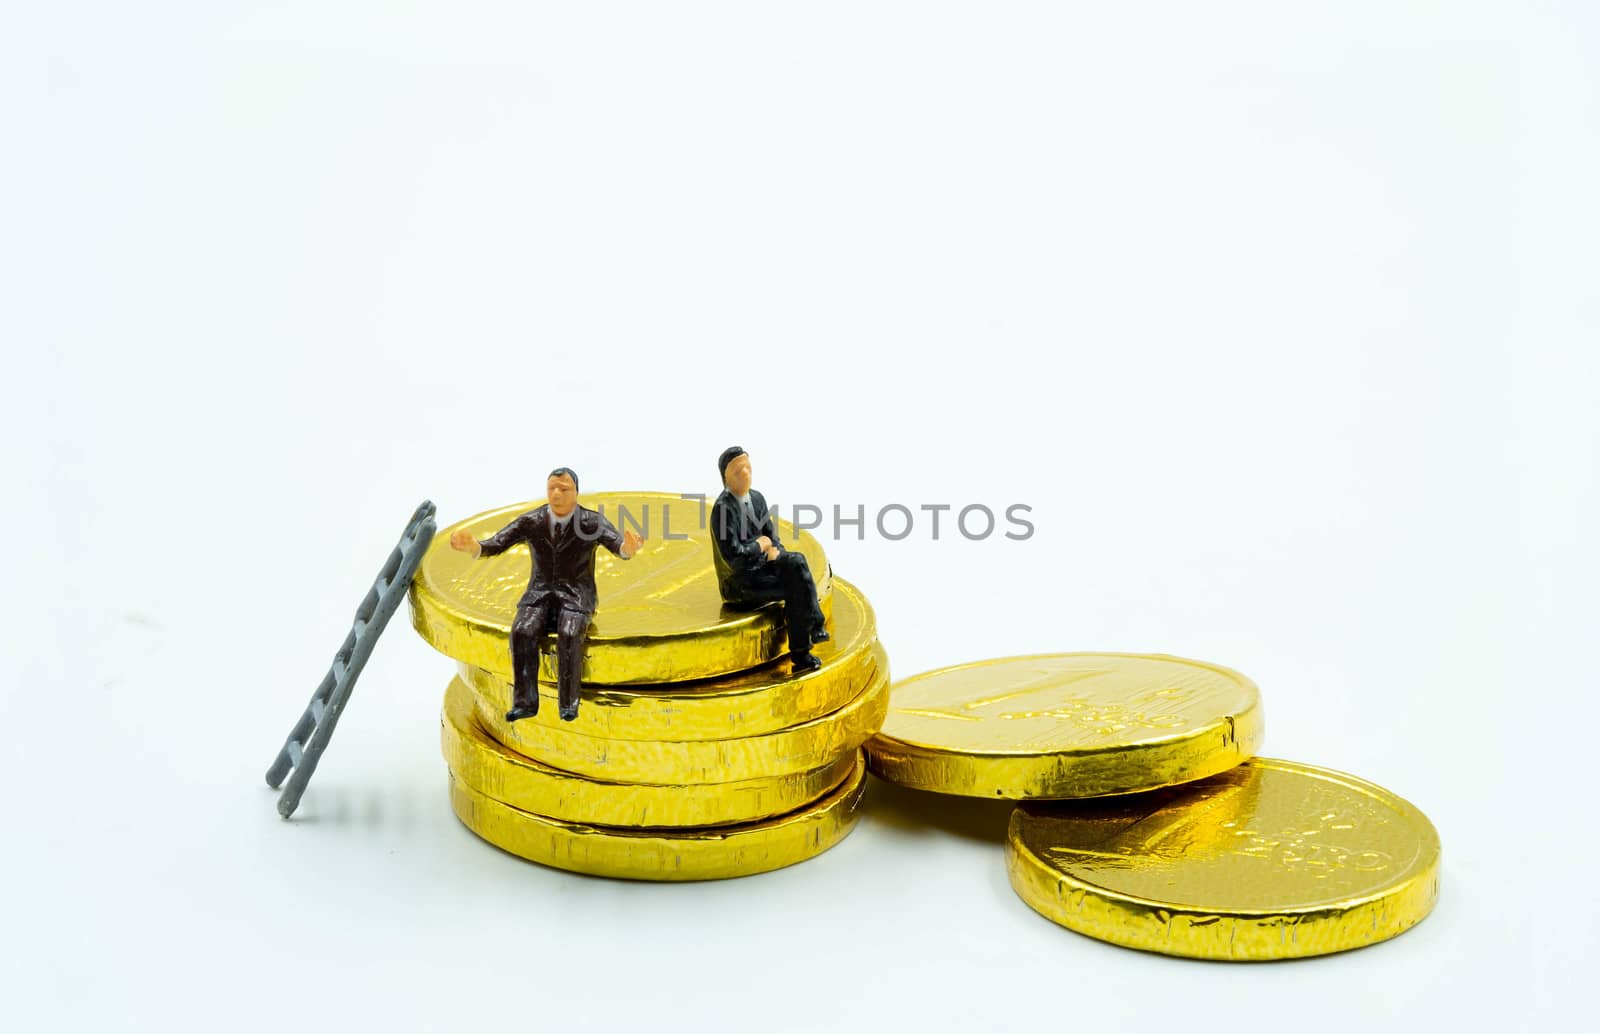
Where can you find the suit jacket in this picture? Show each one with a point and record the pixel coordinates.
(741, 565)
(563, 568)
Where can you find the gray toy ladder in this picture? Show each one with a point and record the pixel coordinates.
(311, 733)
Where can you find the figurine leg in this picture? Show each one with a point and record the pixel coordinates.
(800, 609)
(526, 631)
(571, 629)
(819, 621)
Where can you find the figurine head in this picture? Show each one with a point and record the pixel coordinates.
(561, 489)
(734, 465)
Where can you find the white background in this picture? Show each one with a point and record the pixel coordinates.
(1282, 317)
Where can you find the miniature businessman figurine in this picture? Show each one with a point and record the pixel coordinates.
(752, 566)
(562, 536)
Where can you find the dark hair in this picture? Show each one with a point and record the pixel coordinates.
(729, 454)
(568, 471)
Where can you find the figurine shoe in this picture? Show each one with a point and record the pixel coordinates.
(819, 634)
(521, 711)
(569, 711)
(804, 662)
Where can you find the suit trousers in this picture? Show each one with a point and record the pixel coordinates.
(527, 629)
(788, 578)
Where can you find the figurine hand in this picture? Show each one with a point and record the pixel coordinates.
(764, 543)
(773, 552)
(631, 541)
(464, 541)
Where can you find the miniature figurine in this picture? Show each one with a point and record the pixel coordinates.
(753, 567)
(561, 536)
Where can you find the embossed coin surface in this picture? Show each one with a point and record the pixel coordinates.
(1269, 860)
(747, 703)
(655, 854)
(1066, 725)
(659, 618)
(495, 772)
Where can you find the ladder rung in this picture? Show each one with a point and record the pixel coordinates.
(295, 752)
(317, 710)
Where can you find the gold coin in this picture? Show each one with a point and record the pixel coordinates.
(1066, 725)
(690, 854)
(748, 703)
(798, 748)
(660, 616)
(1269, 860)
(495, 772)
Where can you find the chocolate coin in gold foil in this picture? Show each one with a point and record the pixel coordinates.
(748, 703)
(493, 771)
(799, 748)
(1066, 725)
(660, 616)
(666, 854)
(1269, 860)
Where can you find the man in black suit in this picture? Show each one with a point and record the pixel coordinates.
(562, 536)
(753, 568)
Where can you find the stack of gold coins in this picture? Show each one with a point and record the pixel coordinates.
(696, 753)
(1146, 820)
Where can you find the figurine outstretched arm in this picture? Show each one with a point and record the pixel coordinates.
(495, 544)
(624, 544)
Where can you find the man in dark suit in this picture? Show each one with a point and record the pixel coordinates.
(753, 568)
(562, 536)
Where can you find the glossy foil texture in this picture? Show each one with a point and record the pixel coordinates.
(1270, 860)
(485, 766)
(655, 854)
(1052, 726)
(798, 748)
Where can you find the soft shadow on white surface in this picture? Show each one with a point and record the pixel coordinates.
(913, 813)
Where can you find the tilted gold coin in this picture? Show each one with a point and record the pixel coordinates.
(1066, 725)
(748, 703)
(690, 854)
(493, 771)
(1269, 860)
(798, 748)
(659, 618)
